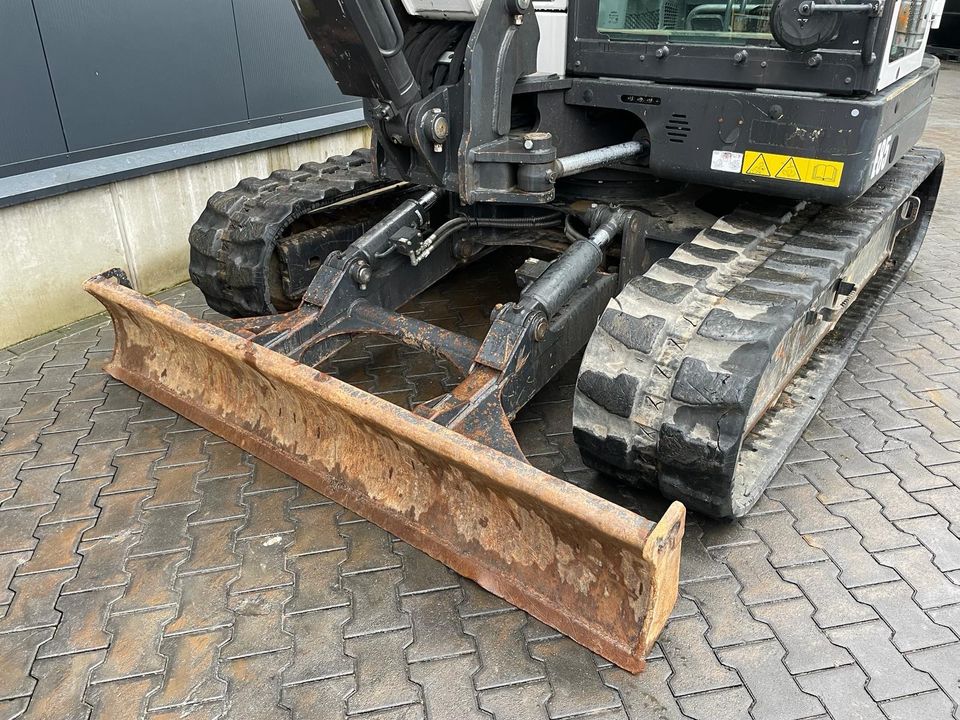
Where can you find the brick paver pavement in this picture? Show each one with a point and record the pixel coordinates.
(149, 569)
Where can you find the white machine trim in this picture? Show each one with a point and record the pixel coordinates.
(890, 72)
(444, 9)
(552, 52)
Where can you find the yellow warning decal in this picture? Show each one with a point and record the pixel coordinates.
(793, 168)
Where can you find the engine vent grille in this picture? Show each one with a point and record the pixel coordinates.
(678, 128)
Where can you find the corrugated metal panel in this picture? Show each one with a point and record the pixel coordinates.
(29, 123)
(282, 69)
(141, 68)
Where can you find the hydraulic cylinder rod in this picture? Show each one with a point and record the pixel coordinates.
(595, 159)
(540, 177)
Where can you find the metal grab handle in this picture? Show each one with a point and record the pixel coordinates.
(388, 46)
(809, 7)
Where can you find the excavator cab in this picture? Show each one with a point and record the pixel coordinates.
(835, 92)
(862, 47)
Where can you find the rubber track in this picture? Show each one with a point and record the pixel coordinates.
(232, 243)
(670, 378)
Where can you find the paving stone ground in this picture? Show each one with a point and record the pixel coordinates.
(150, 570)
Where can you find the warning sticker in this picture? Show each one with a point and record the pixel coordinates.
(758, 166)
(792, 168)
(726, 161)
(789, 171)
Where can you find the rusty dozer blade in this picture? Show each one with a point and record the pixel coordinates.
(591, 569)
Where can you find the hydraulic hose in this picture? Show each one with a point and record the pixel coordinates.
(463, 222)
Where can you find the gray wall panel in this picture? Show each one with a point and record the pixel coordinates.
(129, 69)
(82, 80)
(29, 123)
(282, 69)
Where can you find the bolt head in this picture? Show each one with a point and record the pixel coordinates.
(361, 274)
(441, 128)
(541, 329)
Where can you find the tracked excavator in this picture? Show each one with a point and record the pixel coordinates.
(713, 198)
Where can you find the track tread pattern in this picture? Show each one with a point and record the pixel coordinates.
(233, 240)
(723, 304)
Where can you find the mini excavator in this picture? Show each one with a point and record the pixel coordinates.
(713, 198)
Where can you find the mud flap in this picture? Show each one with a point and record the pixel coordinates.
(591, 569)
